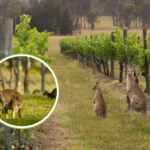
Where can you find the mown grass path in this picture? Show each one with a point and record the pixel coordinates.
(74, 126)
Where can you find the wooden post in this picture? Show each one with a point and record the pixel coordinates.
(26, 75)
(146, 65)
(121, 71)
(42, 78)
(145, 37)
(121, 63)
(112, 74)
(125, 36)
(16, 72)
(10, 72)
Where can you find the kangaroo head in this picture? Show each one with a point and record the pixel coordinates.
(6, 104)
(132, 78)
(4, 110)
(136, 103)
(96, 86)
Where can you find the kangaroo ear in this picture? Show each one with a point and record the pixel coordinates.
(15, 97)
(94, 87)
(138, 73)
(97, 83)
(129, 70)
(130, 67)
(135, 75)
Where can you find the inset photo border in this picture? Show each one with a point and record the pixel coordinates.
(57, 97)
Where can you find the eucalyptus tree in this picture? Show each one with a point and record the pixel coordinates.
(143, 11)
(8, 10)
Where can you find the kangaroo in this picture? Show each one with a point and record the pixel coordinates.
(51, 95)
(11, 100)
(135, 96)
(99, 102)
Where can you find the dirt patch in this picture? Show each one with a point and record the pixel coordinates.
(51, 136)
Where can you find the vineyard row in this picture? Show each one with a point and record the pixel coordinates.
(104, 51)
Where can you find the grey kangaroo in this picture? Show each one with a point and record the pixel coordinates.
(99, 103)
(135, 96)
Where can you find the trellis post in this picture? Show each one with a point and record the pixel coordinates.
(146, 64)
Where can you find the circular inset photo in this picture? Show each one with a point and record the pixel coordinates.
(29, 91)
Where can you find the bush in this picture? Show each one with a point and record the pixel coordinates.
(29, 40)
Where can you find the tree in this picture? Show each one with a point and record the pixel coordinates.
(66, 26)
(42, 78)
(143, 11)
(16, 69)
(92, 17)
(26, 66)
(8, 10)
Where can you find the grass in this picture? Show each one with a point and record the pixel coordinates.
(34, 110)
(121, 130)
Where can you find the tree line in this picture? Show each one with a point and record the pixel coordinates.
(75, 14)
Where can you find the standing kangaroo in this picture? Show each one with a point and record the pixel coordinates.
(98, 101)
(11, 100)
(135, 96)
